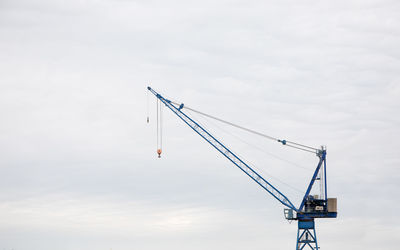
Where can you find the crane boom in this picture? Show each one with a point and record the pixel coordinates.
(249, 171)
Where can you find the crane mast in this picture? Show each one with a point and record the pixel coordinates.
(311, 206)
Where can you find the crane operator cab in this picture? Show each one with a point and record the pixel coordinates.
(314, 208)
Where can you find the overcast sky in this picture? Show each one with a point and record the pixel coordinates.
(78, 161)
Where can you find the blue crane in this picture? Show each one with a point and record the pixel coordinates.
(310, 208)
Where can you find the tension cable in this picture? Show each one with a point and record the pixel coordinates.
(284, 142)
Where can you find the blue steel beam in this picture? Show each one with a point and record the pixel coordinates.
(226, 152)
(322, 155)
(325, 186)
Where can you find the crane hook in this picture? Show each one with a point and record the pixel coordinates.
(159, 152)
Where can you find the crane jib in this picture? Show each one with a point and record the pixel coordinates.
(226, 152)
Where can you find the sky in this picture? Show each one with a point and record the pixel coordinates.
(78, 164)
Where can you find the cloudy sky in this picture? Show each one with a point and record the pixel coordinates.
(78, 161)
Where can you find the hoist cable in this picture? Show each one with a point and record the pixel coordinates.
(161, 124)
(157, 119)
(147, 106)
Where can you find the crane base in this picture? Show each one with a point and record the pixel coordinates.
(306, 236)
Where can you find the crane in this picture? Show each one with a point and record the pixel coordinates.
(311, 206)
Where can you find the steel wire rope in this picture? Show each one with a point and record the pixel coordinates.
(229, 123)
(161, 124)
(157, 118)
(254, 166)
(147, 97)
(284, 142)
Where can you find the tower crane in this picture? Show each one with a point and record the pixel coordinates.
(310, 208)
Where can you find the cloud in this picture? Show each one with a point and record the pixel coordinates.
(78, 159)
